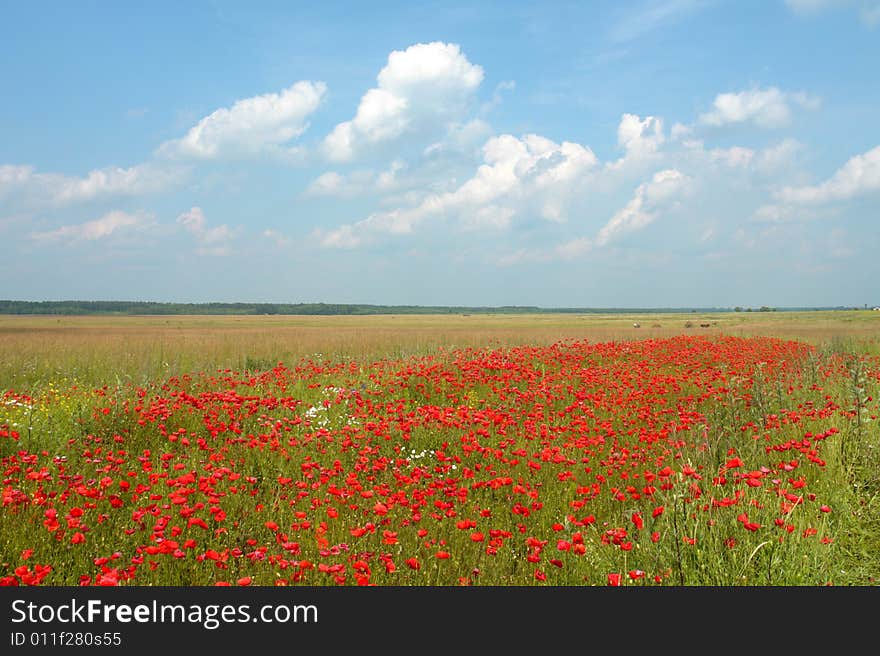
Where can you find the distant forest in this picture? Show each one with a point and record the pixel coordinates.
(150, 307)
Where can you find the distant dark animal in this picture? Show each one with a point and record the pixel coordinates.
(705, 325)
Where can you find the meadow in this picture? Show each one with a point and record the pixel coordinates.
(695, 449)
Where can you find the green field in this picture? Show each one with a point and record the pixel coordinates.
(98, 350)
(654, 449)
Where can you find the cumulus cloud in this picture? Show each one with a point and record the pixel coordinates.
(638, 136)
(461, 138)
(251, 125)
(425, 87)
(145, 178)
(650, 197)
(211, 241)
(641, 140)
(330, 183)
(55, 188)
(13, 177)
(356, 183)
(860, 175)
(733, 157)
(766, 108)
(517, 173)
(775, 159)
(112, 223)
(779, 155)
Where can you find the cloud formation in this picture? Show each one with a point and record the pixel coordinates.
(250, 126)
(356, 183)
(423, 88)
(516, 174)
(860, 175)
(649, 201)
(110, 224)
(58, 189)
(766, 108)
(211, 241)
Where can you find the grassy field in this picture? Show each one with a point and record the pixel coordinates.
(722, 449)
(97, 350)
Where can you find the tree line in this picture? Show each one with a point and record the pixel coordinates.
(164, 308)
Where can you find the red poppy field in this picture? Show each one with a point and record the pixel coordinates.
(685, 460)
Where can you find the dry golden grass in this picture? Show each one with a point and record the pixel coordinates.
(100, 349)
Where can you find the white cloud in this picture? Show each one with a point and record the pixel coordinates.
(574, 248)
(387, 180)
(649, 199)
(778, 156)
(860, 175)
(326, 184)
(766, 108)
(356, 183)
(517, 173)
(639, 136)
(734, 157)
(461, 138)
(640, 139)
(211, 241)
(774, 159)
(425, 87)
(343, 237)
(250, 126)
(490, 217)
(680, 132)
(145, 178)
(59, 189)
(771, 213)
(109, 224)
(13, 177)
(770, 160)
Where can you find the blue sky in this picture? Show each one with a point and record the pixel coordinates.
(653, 153)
